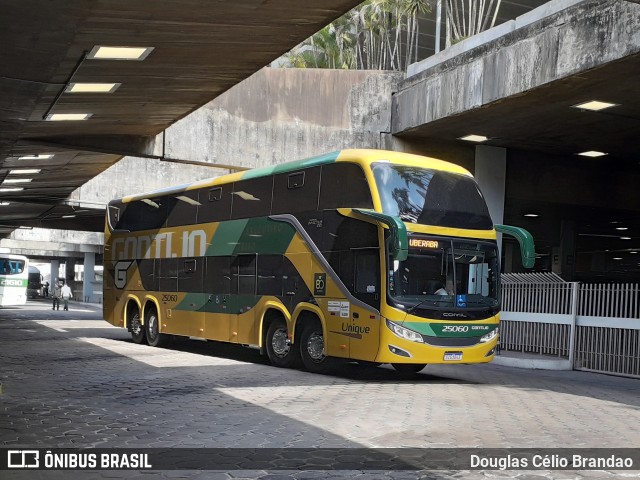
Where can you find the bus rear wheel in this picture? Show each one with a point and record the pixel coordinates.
(136, 328)
(312, 349)
(152, 324)
(280, 351)
(408, 368)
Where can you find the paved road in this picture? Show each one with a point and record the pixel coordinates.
(70, 380)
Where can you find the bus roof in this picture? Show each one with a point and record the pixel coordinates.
(363, 157)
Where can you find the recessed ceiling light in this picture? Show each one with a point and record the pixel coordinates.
(4, 204)
(622, 228)
(532, 215)
(595, 105)
(625, 238)
(17, 180)
(68, 216)
(13, 189)
(61, 117)
(24, 171)
(475, 138)
(103, 52)
(633, 252)
(617, 258)
(44, 156)
(92, 87)
(593, 154)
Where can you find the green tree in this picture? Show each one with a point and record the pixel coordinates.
(376, 35)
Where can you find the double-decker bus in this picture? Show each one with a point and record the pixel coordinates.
(14, 270)
(365, 255)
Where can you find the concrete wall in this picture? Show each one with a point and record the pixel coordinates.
(279, 115)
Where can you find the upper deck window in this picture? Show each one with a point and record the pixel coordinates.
(431, 197)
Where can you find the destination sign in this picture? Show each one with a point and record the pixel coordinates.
(423, 243)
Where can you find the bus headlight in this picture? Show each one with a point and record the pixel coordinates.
(489, 336)
(404, 333)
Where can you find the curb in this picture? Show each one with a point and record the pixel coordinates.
(532, 364)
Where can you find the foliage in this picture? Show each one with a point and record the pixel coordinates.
(376, 35)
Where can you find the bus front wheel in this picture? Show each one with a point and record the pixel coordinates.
(152, 324)
(312, 349)
(280, 351)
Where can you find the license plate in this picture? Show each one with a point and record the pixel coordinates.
(452, 356)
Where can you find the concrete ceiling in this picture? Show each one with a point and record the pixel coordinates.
(201, 49)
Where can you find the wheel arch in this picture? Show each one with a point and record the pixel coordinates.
(271, 311)
(303, 314)
(152, 302)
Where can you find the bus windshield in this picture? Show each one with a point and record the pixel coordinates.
(442, 273)
(431, 197)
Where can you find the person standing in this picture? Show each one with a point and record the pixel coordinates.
(56, 294)
(66, 296)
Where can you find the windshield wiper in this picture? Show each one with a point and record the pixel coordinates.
(413, 307)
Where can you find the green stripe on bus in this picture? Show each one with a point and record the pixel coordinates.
(264, 236)
(256, 235)
(13, 282)
(454, 330)
(226, 238)
(216, 303)
(291, 166)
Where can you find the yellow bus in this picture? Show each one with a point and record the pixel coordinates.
(364, 255)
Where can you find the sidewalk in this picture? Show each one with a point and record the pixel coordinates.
(532, 361)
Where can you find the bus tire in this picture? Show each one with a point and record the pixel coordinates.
(312, 349)
(279, 348)
(137, 329)
(152, 325)
(408, 368)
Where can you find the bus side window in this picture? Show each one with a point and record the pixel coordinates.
(252, 198)
(244, 271)
(344, 185)
(296, 192)
(367, 282)
(366, 274)
(270, 275)
(218, 275)
(183, 209)
(215, 204)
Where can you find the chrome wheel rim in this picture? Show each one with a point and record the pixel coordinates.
(153, 326)
(280, 343)
(315, 347)
(136, 326)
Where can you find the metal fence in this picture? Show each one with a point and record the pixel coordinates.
(596, 327)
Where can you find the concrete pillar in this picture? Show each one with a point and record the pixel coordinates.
(89, 276)
(491, 175)
(70, 273)
(55, 271)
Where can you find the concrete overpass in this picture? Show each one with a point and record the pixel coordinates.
(521, 85)
(69, 109)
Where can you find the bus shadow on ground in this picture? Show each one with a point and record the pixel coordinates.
(345, 370)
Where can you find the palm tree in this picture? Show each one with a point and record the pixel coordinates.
(367, 37)
(466, 18)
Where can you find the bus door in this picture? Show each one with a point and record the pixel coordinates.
(364, 325)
